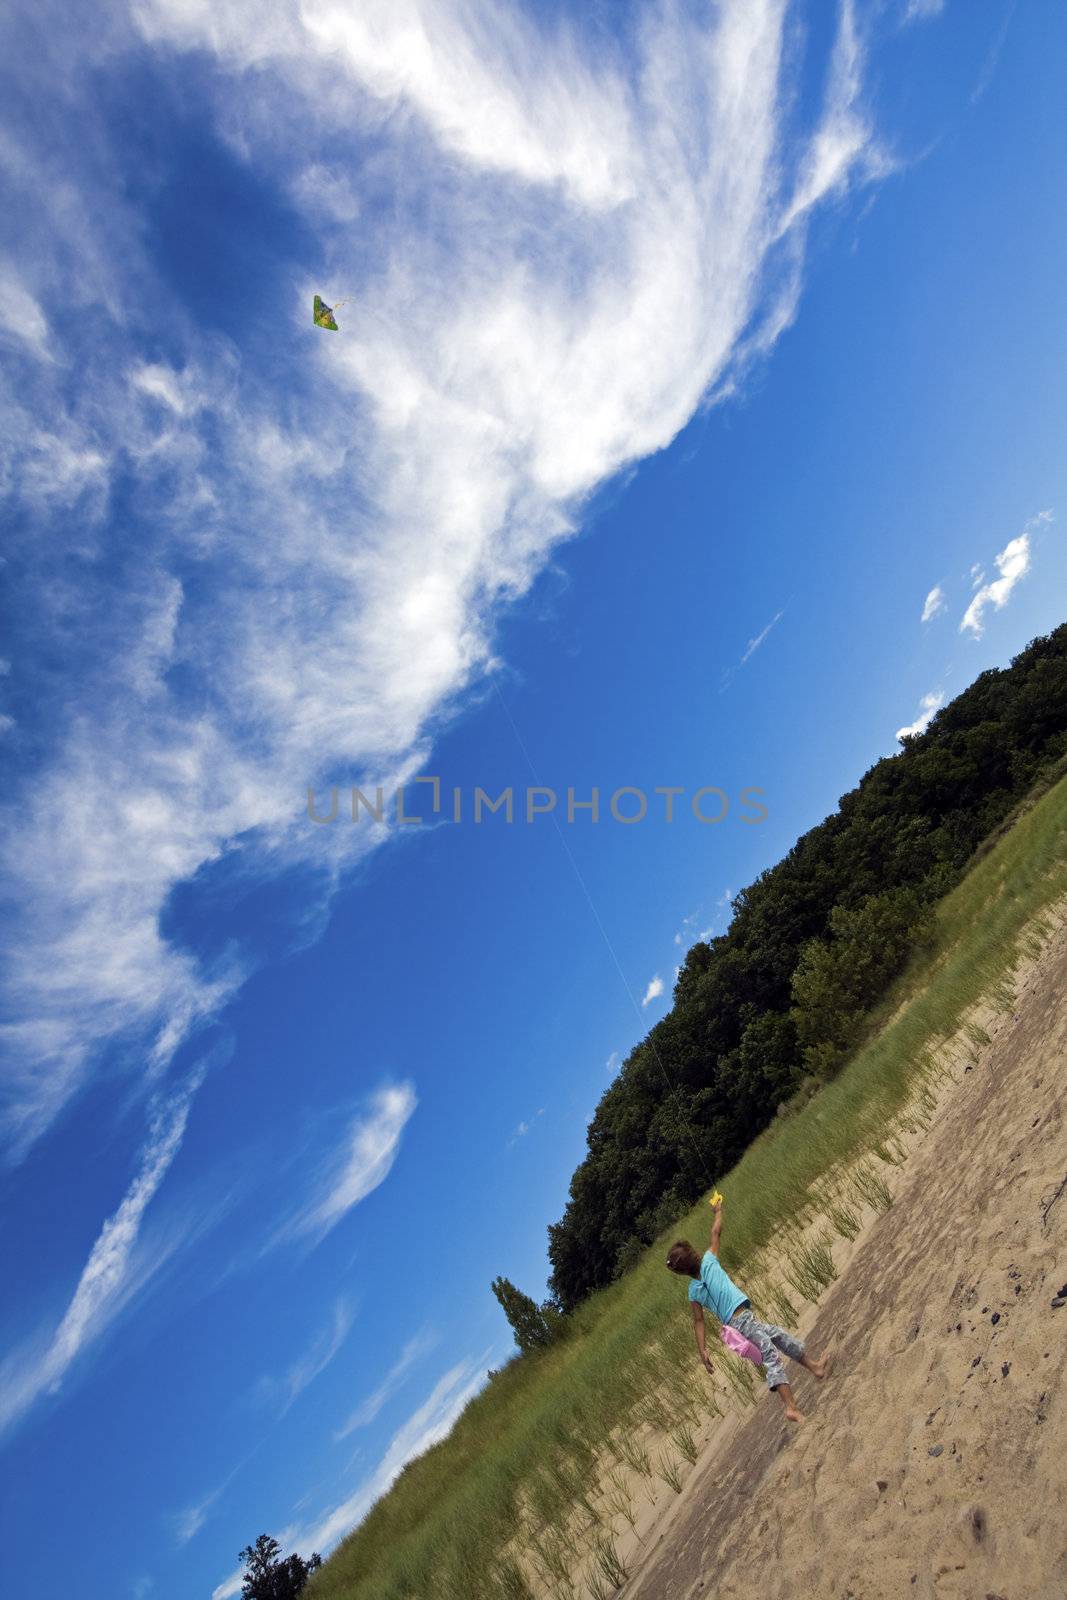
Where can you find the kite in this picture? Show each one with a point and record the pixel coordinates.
(324, 317)
(716, 1199)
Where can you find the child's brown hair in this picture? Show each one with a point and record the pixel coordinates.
(681, 1257)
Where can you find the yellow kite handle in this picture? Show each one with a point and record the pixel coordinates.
(716, 1199)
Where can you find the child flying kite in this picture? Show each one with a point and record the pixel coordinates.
(713, 1290)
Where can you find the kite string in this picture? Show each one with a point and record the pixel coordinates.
(671, 1088)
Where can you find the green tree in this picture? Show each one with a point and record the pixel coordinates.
(838, 979)
(534, 1326)
(270, 1578)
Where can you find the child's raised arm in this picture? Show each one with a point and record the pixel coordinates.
(716, 1230)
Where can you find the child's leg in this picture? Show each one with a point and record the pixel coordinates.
(785, 1395)
(794, 1349)
(746, 1322)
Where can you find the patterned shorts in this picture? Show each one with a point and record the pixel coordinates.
(770, 1340)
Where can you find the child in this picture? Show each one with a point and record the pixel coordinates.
(714, 1290)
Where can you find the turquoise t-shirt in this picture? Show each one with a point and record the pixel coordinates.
(714, 1289)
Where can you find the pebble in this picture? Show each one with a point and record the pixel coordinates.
(995, 1317)
(1059, 1301)
(1005, 1368)
(935, 1450)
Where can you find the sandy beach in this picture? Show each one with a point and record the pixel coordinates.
(933, 1461)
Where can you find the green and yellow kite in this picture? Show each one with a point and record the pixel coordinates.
(324, 317)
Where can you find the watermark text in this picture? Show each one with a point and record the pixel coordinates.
(408, 805)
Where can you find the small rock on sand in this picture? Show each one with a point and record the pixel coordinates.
(935, 1450)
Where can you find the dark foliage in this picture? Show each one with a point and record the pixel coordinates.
(813, 944)
(270, 1578)
(534, 1326)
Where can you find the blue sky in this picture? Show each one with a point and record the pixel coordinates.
(697, 419)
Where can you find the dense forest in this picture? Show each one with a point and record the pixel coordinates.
(813, 944)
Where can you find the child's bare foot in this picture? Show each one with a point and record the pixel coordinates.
(791, 1414)
(820, 1369)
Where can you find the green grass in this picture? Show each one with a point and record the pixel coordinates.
(521, 1485)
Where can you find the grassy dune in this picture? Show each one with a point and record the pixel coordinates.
(521, 1491)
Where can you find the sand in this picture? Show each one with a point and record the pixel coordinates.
(933, 1461)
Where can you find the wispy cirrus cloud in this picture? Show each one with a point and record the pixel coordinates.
(934, 603)
(368, 1409)
(928, 705)
(523, 1128)
(325, 541)
(423, 1428)
(754, 644)
(360, 1162)
(844, 144)
(1013, 563)
(188, 1522)
(689, 933)
(22, 321)
(750, 650)
(112, 1274)
(282, 1391)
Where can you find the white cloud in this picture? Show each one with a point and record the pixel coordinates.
(612, 1063)
(654, 990)
(188, 1523)
(524, 1127)
(977, 574)
(754, 644)
(844, 143)
(686, 935)
(363, 1161)
(934, 603)
(582, 250)
(1013, 563)
(285, 1390)
(750, 650)
(431, 1422)
(110, 1276)
(368, 1409)
(922, 10)
(927, 706)
(21, 317)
